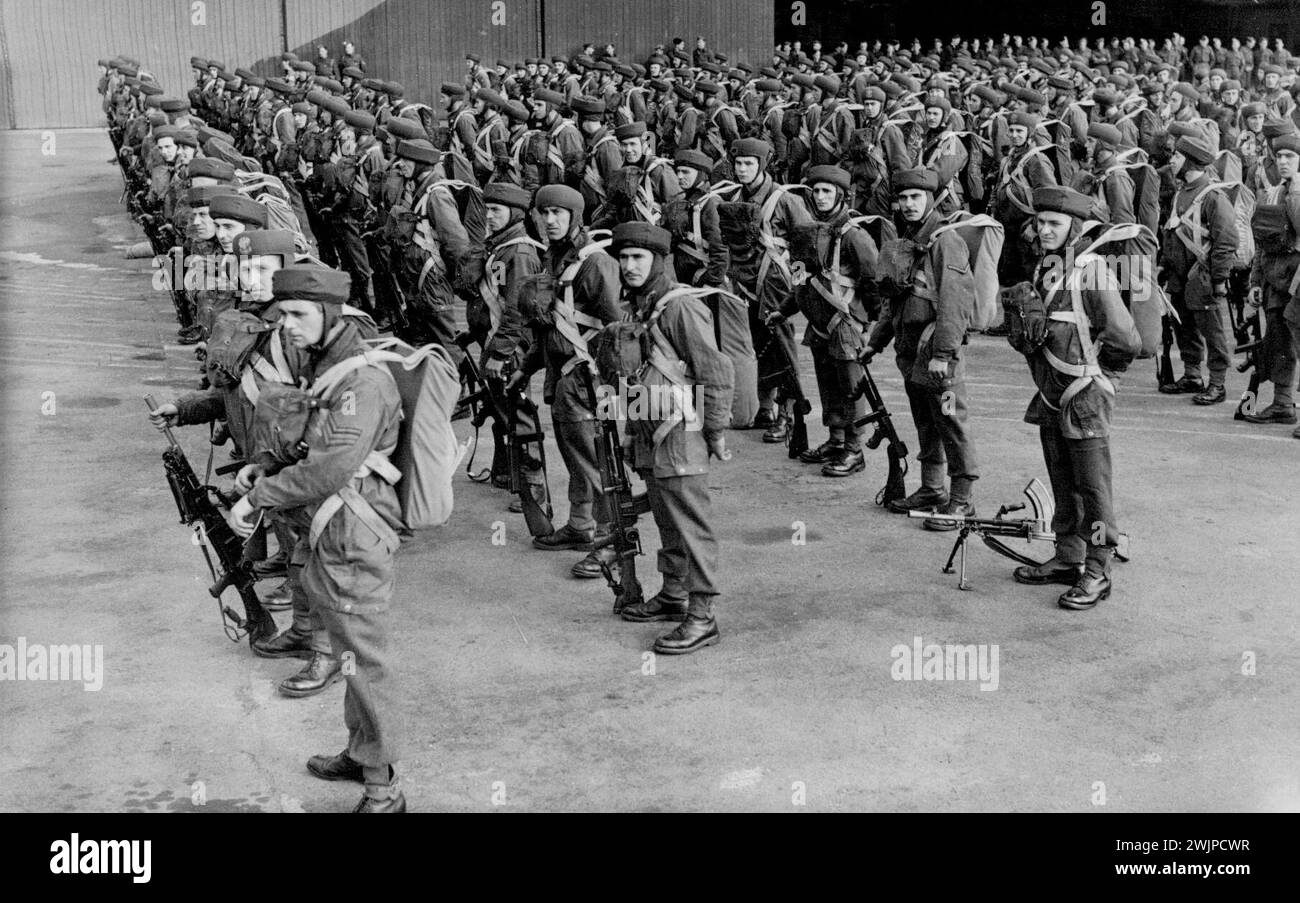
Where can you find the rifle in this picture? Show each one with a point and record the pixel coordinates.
(624, 507)
(194, 502)
(504, 402)
(1038, 527)
(798, 441)
(894, 487)
(1165, 365)
(1249, 336)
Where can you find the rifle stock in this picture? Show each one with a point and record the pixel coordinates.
(1165, 364)
(235, 557)
(798, 442)
(1249, 335)
(883, 428)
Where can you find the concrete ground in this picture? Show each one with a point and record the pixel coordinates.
(522, 692)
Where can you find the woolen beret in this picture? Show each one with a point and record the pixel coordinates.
(360, 120)
(988, 95)
(244, 73)
(337, 106)
(1028, 120)
(330, 84)
(353, 72)
(279, 86)
(751, 147)
(705, 87)
(173, 105)
(259, 242)
(149, 90)
(188, 138)
(212, 168)
(451, 89)
(828, 83)
(588, 106)
(239, 208)
(554, 98)
(694, 159)
(202, 195)
(873, 92)
(405, 128)
(1275, 129)
(835, 175)
(419, 150)
(1289, 142)
(641, 235)
(1105, 133)
(1059, 199)
(394, 89)
(166, 131)
(804, 80)
(1196, 149)
(317, 97)
(507, 195)
(631, 130)
(914, 179)
(1187, 91)
(309, 282)
(940, 103)
(303, 107)
(559, 196)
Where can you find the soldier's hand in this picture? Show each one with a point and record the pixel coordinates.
(494, 368)
(242, 519)
(867, 355)
(164, 415)
(775, 318)
(247, 476)
(718, 447)
(938, 367)
(1255, 297)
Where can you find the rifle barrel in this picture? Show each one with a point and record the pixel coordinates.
(153, 406)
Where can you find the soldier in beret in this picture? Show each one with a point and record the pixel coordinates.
(930, 292)
(673, 458)
(1076, 343)
(343, 489)
(641, 187)
(876, 153)
(1024, 168)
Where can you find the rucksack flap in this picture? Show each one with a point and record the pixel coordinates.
(740, 223)
(234, 335)
(1145, 299)
(280, 421)
(984, 237)
(427, 452)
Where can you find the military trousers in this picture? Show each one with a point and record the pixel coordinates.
(587, 505)
(1080, 474)
(942, 425)
(1203, 337)
(837, 383)
(1278, 361)
(688, 553)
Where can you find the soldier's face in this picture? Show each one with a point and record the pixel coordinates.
(255, 274)
(300, 120)
(634, 266)
(227, 230)
(871, 108)
(1270, 80)
(201, 225)
(933, 117)
(302, 323)
(1288, 162)
(633, 149)
(404, 168)
(912, 204)
(1018, 134)
(686, 176)
(167, 147)
(1255, 123)
(498, 217)
(1230, 96)
(184, 154)
(825, 196)
(556, 222)
(746, 169)
(1053, 230)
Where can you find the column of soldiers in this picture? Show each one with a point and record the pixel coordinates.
(709, 201)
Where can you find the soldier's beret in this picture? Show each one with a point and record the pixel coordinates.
(303, 107)
(309, 282)
(215, 64)
(657, 84)
(588, 106)
(243, 73)
(1082, 68)
(303, 66)
(360, 120)
(173, 105)
(336, 106)
(330, 84)
(941, 103)
(683, 91)
(353, 72)
(148, 90)
(266, 242)
(1042, 66)
(419, 150)
(207, 133)
(625, 70)
(559, 60)
(768, 85)
(226, 75)
(641, 235)
(769, 72)
(708, 87)
(372, 84)
(582, 61)
(828, 83)
(202, 195)
(1289, 142)
(1151, 89)
(473, 57)
(694, 159)
(1187, 91)
(631, 130)
(919, 178)
(155, 118)
(931, 61)
(166, 131)
(491, 98)
(196, 62)
(394, 89)
(239, 208)
(1030, 96)
(1105, 133)
(1252, 109)
(1183, 130)
(967, 66)
(1219, 72)
(1061, 84)
(601, 66)
(873, 92)
(546, 95)
(288, 56)
(782, 56)
(404, 128)
(559, 196)
(317, 97)
(279, 86)
(988, 95)
(1230, 84)
(751, 147)
(1028, 120)
(532, 61)
(892, 89)
(657, 58)
(502, 64)
(516, 110)
(804, 80)
(835, 175)
(1105, 96)
(708, 66)
(255, 81)
(907, 82)
(1275, 128)
(684, 73)
(187, 138)
(507, 195)
(1059, 199)
(1271, 69)
(1196, 149)
(451, 89)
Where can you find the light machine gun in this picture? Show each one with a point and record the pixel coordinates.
(991, 531)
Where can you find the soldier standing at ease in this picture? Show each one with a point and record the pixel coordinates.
(344, 483)
(674, 462)
(930, 295)
(1076, 343)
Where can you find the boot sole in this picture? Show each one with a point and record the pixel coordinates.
(299, 694)
(678, 617)
(1064, 580)
(844, 473)
(684, 650)
(1064, 603)
(336, 777)
(304, 654)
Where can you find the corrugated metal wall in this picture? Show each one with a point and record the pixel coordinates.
(741, 29)
(48, 48)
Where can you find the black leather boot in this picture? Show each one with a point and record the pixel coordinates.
(322, 671)
(954, 506)
(289, 644)
(827, 451)
(700, 629)
(656, 608)
(589, 568)
(1213, 395)
(779, 431)
(1093, 586)
(846, 462)
(1050, 571)
(565, 538)
(1188, 385)
(336, 768)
